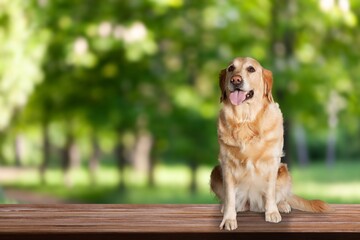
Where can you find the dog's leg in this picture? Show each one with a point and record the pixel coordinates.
(284, 207)
(242, 205)
(229, 219)
(271, 210)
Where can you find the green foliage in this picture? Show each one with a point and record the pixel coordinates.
(114, 69)
(22, 47)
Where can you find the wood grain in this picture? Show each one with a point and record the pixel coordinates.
(95, 221)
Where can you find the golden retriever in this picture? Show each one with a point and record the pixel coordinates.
(250, 134)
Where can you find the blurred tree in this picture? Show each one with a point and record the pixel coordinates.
(144, 74)
(91, 55)
(21, 44)
(306, 57)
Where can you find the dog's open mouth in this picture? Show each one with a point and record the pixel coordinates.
(238, 96)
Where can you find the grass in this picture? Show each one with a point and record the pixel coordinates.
(171, 186)
(3, 199)
(340, 184)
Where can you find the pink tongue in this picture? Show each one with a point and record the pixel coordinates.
(237, 97)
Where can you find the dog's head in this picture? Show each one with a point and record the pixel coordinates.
(245, 81)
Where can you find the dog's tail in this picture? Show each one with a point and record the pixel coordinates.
(302, 204)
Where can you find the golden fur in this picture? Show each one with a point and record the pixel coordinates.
(250, 134)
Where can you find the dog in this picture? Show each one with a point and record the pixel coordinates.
(250, 135)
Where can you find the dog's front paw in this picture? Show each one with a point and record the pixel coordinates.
(273, 217)
(284, 207)
(228, 224)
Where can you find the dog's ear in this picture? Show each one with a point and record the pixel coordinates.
(268, 82)
(222, 84)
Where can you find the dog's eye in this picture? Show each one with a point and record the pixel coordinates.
(231, 68)
(250, 69)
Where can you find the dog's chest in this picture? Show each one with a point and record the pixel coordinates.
(245, 134)
(250, 174)
(240, 134)
(250, 187)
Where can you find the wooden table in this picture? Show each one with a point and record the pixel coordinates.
(116, 221)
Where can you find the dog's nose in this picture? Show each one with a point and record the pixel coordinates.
(236, 79)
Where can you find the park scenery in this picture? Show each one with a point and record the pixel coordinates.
(116, 101)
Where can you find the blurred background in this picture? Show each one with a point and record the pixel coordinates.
(116, 101)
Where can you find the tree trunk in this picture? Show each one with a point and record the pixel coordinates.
(193, 183)
(142, 152)
(151, 177)
(66, 160)
(287, 146)
(94, 159)
(121, 161)
(335, 104)
(18, 149)
(70, 158)
(2, 140)
(301, 146)
(46, 151)
(330, 150)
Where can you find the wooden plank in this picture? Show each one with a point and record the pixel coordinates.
(93, 221)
